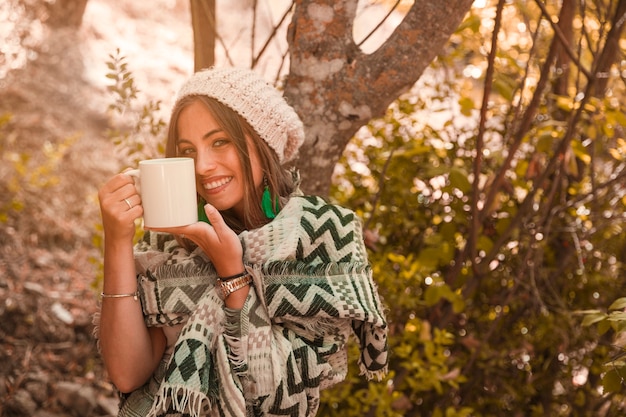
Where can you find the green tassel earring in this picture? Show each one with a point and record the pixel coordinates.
(201, 213)
(266, 203)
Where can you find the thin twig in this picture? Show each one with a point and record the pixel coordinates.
(566, 46)
(395, 6)
(377, 196)
(272, 35)
(478, 160)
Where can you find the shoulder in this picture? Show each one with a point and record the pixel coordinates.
(316, 213)
(319, 207)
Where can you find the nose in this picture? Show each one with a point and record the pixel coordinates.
(205, 162)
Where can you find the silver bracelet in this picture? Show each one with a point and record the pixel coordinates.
(135, 295)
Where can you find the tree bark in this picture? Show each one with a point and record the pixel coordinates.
(611, 50)
(336, 88)
(563, 61)
(66, 13)
(204, 32)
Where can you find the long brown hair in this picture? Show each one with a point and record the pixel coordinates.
(276, 177)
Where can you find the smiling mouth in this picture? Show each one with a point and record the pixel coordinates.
(216, 184)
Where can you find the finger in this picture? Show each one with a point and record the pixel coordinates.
(216, 220)
(129, 192)
(116, 188)
(129, 202)
(192, 231)
(121, 180)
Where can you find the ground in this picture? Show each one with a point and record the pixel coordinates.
(54, 155)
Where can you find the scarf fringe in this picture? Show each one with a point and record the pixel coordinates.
(181, 399)
(96, 329)
(186, 269)
(279, 269)
(379, 375)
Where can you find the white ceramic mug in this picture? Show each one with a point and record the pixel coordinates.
(168, 191)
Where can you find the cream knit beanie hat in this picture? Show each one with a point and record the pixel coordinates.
(260, 104)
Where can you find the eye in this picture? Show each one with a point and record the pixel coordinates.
(186, 151)
(221, 142)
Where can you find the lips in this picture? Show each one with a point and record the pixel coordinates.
(216, 184)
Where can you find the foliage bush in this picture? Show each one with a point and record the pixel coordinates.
(495, 244)
(25, 175)
(138, 135)
(142, 137)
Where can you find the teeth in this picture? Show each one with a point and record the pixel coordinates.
(216, 184)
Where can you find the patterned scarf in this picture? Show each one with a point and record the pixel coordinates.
(313, 288)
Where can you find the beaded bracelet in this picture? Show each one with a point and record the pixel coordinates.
(135, 295)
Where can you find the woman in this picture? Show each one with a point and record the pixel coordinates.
(249, 311)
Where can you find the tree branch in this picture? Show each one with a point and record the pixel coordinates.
(412, 46)
(255, 59)
(383, 20)
(336, 88)
(563, 39)
(476, 224)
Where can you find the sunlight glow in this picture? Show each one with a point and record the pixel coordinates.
(580, 376)
(472, 71)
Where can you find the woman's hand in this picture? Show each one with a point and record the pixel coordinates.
(120, 205)
(217, 240)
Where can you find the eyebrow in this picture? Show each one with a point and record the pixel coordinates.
(205, 136)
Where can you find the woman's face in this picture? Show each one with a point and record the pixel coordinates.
(219, 175)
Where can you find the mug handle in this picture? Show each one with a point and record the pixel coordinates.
(134, 173)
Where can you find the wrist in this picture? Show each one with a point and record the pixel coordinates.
(233, 284)
(227, 272)
(237, 299)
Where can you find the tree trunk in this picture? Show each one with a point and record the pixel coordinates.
(563, 61)
(612, 49)
(204, 30)
(66, 13)
(336, 88)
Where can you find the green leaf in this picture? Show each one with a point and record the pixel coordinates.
(592, 318)
(504, 85)
(458, 179)
(612, 381)
(617, 316)
(467, 105)
(618, 304)
(580, 151)
(485, 243)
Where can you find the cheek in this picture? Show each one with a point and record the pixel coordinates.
(257, 176)
(257, 170)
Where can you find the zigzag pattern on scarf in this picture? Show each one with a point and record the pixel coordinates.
(319, 220)
(297, 395)
(300, 301)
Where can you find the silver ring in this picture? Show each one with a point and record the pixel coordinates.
(130, 206)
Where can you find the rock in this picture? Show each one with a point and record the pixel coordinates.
(46, 413)
(108, 405)
(35, 288)
(62, 314)
(77, 398)
(37, 386)
(21, 404)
